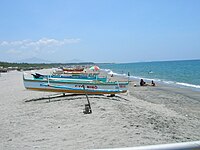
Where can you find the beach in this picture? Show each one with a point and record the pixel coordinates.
(142, 116)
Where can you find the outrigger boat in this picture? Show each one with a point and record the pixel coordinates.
(72, 69)
(87, 77)
(94, 70)
(80, 86)
(59, 72)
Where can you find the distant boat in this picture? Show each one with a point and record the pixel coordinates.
(3, 70)
(73, 69)
(75, 72)
(74, 86)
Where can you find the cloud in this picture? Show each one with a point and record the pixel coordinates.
(40, 42)
(31, 47)
(4, 43)
(13, 51)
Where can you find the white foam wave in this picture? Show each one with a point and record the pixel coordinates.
(114, 73)
(106, 70)
(188, 85)
(169, 82)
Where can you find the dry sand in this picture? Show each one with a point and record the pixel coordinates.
(143, 116)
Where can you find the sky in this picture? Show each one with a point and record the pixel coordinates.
(117, 31)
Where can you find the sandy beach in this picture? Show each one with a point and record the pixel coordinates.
(142, 116)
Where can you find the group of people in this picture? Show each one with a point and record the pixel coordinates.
(142, 83)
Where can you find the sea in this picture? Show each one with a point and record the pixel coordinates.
(182, 73)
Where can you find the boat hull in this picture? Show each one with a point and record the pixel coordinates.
(72, 91)
(79, 86)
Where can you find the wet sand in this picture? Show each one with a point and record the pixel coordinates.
(142, 116)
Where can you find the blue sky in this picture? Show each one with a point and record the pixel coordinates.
(100, 30)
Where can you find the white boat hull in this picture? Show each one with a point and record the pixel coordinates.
(78, 86)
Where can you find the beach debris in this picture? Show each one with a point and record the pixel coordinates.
(88, 109)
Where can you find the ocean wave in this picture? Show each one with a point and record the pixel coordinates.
(188, 85)
(105, 70)
(109, 71)
(169, 82)
(180, 84)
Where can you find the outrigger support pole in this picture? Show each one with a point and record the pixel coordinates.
(88, 109)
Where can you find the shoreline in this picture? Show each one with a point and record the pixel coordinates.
(175, 84)
(142, 116)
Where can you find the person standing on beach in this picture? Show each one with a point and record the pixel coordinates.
(153, 83)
